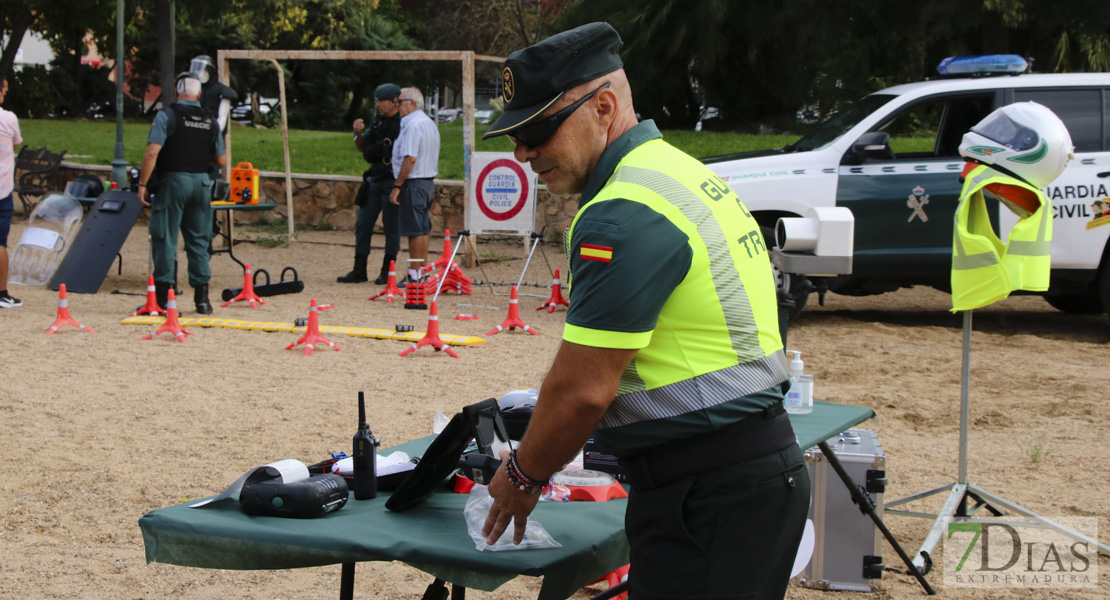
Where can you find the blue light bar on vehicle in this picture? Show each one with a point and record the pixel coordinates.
(983, 63)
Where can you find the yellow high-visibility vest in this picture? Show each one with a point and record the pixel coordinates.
(984, 269)
(701, 353)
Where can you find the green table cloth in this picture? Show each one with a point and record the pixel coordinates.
(431, 537)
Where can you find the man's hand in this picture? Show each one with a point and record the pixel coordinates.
(359, 126)
(146, 171)
(407, 163)
(509, 504)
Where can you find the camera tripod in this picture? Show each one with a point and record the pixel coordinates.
(960, 491)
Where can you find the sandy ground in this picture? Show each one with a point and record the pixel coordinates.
(99, 429)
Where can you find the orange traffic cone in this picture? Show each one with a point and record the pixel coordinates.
(431, 338)
(63, 314)
(312, 335)
(514, 318)
(454, 280)
(443, 258)
(151, 307)
(171, 325)
(247, 294)
(556, 296)
(418, 292)
(391, 288)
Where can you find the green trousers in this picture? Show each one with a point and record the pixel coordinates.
(183, 202)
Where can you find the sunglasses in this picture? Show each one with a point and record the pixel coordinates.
(538, 133)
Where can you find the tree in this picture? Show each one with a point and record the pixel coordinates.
(763, 63)
(318, 93)
(65, 24)
(16, 17)
(488, 27)
(491, 27)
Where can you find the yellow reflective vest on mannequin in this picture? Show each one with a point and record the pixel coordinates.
(984, 269)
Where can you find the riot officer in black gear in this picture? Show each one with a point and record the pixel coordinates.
(214, 96)
(376, 145)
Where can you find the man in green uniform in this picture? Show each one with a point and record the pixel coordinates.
(671, 356)
(183, 141)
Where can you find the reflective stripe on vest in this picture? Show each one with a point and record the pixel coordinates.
(984, 269)
(729, 353)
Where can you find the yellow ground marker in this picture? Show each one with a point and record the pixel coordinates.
(366, 332)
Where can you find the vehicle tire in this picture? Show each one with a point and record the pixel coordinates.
(785, 281)
(1077, 304)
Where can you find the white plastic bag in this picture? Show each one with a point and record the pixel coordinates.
(476, 511)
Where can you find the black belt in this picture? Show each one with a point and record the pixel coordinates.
(752, 437)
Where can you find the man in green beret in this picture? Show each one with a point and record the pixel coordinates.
(372, 199)
(671, 356)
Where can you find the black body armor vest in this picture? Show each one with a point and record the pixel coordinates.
(189, 148)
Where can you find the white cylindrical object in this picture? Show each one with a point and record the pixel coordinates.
(795, 234)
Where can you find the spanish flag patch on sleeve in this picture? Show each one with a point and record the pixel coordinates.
(594, 252)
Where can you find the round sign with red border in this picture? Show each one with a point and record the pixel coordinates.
(502, 189)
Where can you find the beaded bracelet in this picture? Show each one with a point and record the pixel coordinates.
(518, 479)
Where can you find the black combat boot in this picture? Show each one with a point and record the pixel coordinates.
(383, 278)
(162, 293)
(358, 274)
(200, 298)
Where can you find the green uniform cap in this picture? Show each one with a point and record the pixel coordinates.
(387, 91)
(535, 78)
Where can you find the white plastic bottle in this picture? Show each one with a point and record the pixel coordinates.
(799, 400)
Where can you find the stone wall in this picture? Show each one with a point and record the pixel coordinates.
(329, 200)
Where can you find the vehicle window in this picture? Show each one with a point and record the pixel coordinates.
(1079, 109)
(841, 121)
(960, 116)
(934, 127)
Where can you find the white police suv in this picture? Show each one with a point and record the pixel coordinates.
(903, 185)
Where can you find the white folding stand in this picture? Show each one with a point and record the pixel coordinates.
(956, 505)
(536, 238)
(821, 245)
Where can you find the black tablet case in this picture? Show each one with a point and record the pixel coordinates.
(441, 459)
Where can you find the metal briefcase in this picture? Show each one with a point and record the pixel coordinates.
(847, 553)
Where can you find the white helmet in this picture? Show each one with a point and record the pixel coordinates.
(1024, 139)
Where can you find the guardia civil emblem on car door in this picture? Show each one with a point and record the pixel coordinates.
(918, 200)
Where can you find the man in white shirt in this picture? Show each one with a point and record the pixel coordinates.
(9, 138)
(415, 165)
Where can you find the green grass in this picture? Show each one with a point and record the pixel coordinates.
(1035, 449)
(326, 152)
(714, 143)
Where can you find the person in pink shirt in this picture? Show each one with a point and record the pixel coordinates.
(9, 139)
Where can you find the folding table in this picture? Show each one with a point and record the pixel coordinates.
(431, 537)
(228, 232)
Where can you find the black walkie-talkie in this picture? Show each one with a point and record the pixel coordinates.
(365, 457)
